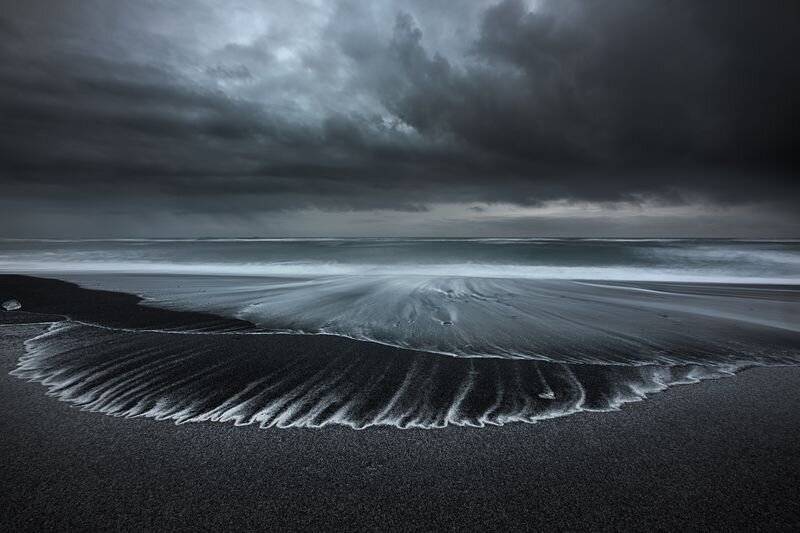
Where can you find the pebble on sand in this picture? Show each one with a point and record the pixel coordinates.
(11, 305)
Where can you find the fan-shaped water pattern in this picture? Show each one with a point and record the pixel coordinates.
(274, 380)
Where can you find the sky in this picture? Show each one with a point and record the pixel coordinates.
(601, 118)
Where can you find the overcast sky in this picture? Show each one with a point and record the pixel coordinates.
(416, 117)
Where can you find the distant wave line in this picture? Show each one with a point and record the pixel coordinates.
(300, 269)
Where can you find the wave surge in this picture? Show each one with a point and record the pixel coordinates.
(277, 380)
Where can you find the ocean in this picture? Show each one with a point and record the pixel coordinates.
(433, 332)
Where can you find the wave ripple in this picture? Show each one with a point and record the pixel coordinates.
(313, 381)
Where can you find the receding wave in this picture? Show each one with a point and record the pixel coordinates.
(408, 333)
(556, 321)
(550, 320)
(274, 380)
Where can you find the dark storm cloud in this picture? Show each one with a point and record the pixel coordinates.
(602, 99)
(398, 106)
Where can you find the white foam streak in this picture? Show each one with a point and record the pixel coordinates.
(317, 270)
(182, 378)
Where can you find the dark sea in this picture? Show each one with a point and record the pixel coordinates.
(431, 332)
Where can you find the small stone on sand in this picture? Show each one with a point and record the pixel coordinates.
(11, 305)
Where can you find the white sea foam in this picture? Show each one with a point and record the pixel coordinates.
(309, 269)
(183, 378)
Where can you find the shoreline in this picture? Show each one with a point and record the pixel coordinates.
(96, 360)
(721, 454)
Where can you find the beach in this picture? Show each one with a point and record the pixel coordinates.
(399, 265)
(722, 454)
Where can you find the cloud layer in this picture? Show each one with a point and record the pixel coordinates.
(251, 108)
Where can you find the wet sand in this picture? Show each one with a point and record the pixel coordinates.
(719, 455)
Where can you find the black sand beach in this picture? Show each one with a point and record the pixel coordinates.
(720, 455)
